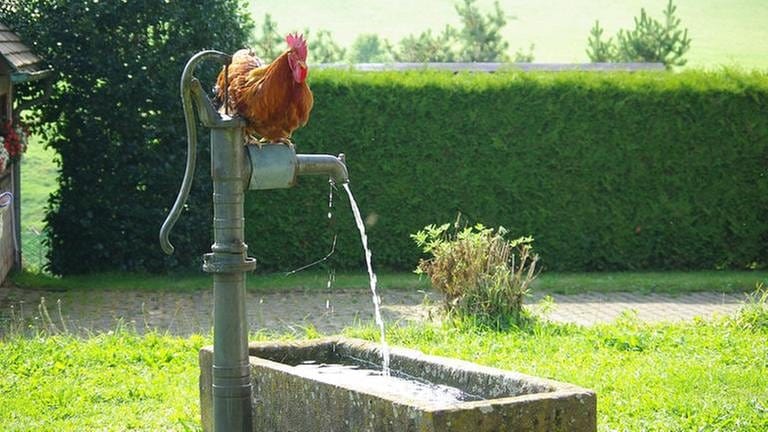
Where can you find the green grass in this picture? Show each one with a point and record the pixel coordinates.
(557, 283)
(652, 282)
(38, 174)
(201, 281)
(110, 382)
(673, 377)
(724, 32)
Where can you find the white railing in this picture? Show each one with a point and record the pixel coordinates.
(493, 67)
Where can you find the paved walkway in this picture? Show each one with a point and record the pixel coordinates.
(328, 312)
(588, 309)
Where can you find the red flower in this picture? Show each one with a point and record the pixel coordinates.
(14, 143)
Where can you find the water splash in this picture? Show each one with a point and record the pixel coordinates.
(330, 199)
(372, 280)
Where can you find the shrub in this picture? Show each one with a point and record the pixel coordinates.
(479, 272)
(116, 123)
(753, 315)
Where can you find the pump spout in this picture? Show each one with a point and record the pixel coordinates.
(277, 166)
(319, 164)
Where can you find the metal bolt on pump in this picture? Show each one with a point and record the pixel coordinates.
(235, 167)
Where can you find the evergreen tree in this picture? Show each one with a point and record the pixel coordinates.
(322, 47)
(650, 41)
(369, 48)
(478, 39)
(599, 50)
(270, 43)
(480, 35)
(428, 47)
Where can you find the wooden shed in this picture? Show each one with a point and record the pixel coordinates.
(18, 65)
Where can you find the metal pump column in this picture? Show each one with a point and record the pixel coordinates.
(228, 260)
(234, 168)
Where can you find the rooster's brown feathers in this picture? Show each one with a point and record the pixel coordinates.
(268, 97)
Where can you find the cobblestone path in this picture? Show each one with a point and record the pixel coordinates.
(328, 312)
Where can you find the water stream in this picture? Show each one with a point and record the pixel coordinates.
(372, 280)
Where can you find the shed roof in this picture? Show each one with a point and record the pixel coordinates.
(24, 64)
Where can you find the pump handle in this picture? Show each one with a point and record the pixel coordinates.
(188, 81)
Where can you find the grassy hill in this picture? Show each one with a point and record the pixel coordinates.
(724, 32)
(38, 174)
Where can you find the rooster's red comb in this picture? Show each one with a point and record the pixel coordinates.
(297, 43)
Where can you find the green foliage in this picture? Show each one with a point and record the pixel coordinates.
(621, 171)
(654, 41)
(522, 56)
(427, 47)
(478, 40)
(323, 48)
(650, 41)
(754, 313)
(611, 171)
(479, 272)
(269, 43)
(368, 48)
(480, 35)
(116, 123)
(561, 35)
(599, 50)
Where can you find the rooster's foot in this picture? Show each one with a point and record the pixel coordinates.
(286, 141)
(260, 142)
(250, 139)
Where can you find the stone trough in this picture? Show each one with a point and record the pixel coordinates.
(290, 395)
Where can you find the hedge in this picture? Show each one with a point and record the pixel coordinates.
(619, 171)
(608, 171)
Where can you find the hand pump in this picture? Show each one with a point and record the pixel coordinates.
(235, 166)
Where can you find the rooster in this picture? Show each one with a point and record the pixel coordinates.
(274, 99)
